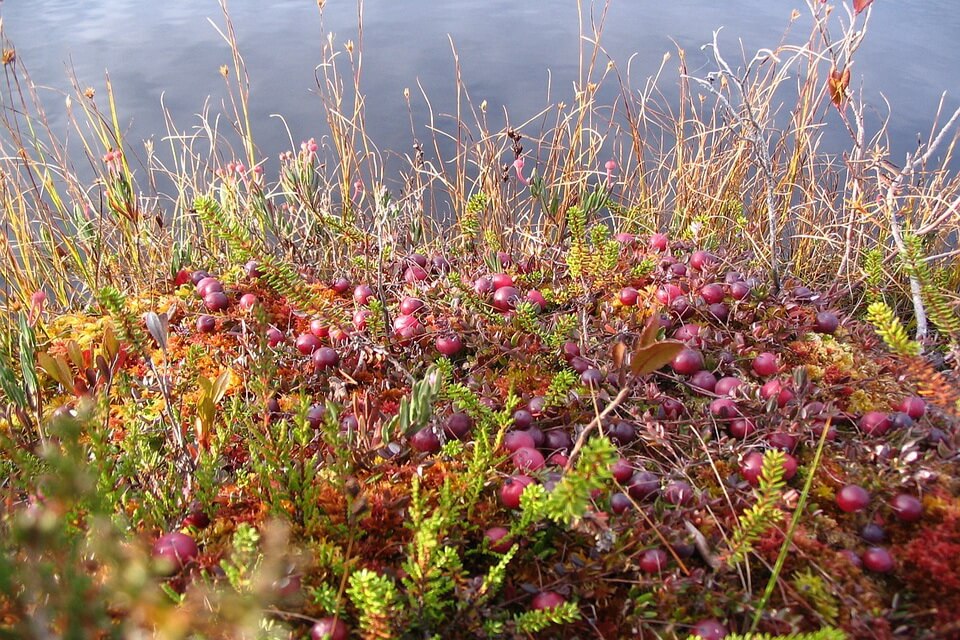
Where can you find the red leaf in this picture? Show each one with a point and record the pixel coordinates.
(651, 357)
(860, 5)
(837, 83)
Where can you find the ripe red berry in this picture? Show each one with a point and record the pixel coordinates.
(906, 507)
(853, 498)
(409, 306)
(362, 294)
(512, 489)
(628, 296)
(668, 293)
(425, 440)
(537, 298)
(913, 406)
(174, 551)
(712, 293)
(877, 559)
(274, 337)
(329, 629)
(248, 301)
(687, 362)
(458, 425)
(449, 345)
(827, 322)
(514, 440)
(874, 423)
(658, 242)
(726, 386)
(324, 358)
(505, 298)
(216, 301)
(208, 285)
(765, 364)
(547, 600)
(527, 459)
(709, 629)
(497, 539)
(340, 285)
(654, 560)
(307, 343)
(500, 280)
(701, 259)
(206, 324)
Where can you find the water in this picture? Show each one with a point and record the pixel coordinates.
(508, 51)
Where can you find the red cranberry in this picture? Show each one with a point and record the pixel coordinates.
(741, 428)
(704, 381)
(458, 425)
(622, 470)
(505, 298)
(514, 440)
(558, 439)
(527, 459)
(315, 416)
(425, 440)
(687, 362)
(501, 280)
(482, 286)
(653, 560)
(668, 293)
(643, 485)
(877, 559)
(913, 406)
(873, 533)
(216, 301)
(512, 489)
(449, 345)
(784, 441)
(681, 307)
(208, 285)
(409, 306)
(724, 409)
(274, 337)
(580, 365)
(700, 260)
(591, 377)
(622, 433)
(826, 322)
(689, 333)
(658, 242)
(497, 539)
(765, 364)
(307, 343)
(341, 285)
(248, 301)
(628, 296)
(678, 269)
(206, 324)
(874, 423)
(174, 551)
(739, 290)
(776, 388)
(522, 419)
(362, 294)
(678, 493)
(726, 386)
(319, 328)
(547, 600)
(329, 629)
(414, 273)
(406, 328)
(570, 351)
(537, 298)
(197, 276)
(620, 503)
(853, 498)
(712, 293)
(324, 358)
(906, 507)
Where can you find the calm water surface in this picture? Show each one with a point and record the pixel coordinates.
(508, 50)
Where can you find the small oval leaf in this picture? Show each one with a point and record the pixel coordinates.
(650, 358)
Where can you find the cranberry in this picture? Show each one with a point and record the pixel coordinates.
(620, 503)
(307, 343)
(765, 364)
(653, 560)
(678, 493)
(853, 498)
(409, 306)
(628, 296)
(658, 242)
(537, 298)
(449, 345)
(248, 301)
(512, 489)
(906, 507)
(206, 324)
(726, 386)
(497, 539)
(622, 470)
(325, 357)
(741, 428)
(329, 629)
(514, 440)
(668, 293)
(874, 423)
(527, 459)
(274, 337)
(701, 259)
(174, 551)
(216, 301)
(501, 280)
(643, 485)
(712, 293)
(425, 440)
(414, 273)
(877, 559)
(505, 298)
(687, 362)
(547, 600)
(912, 406)
(826, 322)
(208, 285)
(704, 381)
(340, 285)
(362, 294)
(458, 425)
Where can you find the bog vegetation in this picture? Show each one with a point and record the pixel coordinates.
(671, 370)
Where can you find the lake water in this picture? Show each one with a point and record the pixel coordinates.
(168, 49)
